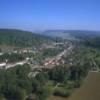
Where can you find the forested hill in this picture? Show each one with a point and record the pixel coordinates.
(77, 34)
(93, 42)
(12, 37)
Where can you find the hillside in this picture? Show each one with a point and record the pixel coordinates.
(82, 34)
(12, 37)
(90, 89)
(93, 42)
(72, 34)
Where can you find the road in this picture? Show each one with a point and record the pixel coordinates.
(54, 59)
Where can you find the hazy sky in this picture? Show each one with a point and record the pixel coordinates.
(50, 14)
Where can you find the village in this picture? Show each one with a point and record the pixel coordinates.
(48, 62)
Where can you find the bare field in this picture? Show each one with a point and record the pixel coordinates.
(90, 89)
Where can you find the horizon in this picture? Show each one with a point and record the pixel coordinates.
(41, 15)
(39, 31)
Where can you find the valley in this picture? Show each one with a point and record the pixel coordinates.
(49, 49)
(49, 68)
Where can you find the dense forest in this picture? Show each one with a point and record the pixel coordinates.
(16, 85)
(12, 37)
(93, 42)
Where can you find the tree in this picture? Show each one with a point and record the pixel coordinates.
(58, 73)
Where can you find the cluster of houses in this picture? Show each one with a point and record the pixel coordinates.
(51, 62)
(59, 58)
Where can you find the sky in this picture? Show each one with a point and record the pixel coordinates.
(35, 15)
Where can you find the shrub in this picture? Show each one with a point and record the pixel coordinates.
(61, 92)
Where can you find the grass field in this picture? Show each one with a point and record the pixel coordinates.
(57, 98)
